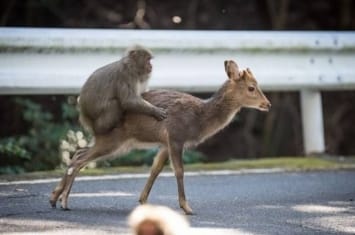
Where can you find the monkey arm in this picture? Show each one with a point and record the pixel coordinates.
(131, 101)
(138, 105)
(143, 106)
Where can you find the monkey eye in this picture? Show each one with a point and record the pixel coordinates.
(251, 88)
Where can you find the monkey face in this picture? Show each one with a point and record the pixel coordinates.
(148, 66)
(141, 57)
(145, 63)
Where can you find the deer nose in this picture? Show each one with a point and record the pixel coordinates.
(266, 105)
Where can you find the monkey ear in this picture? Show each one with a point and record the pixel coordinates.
(132, 53)
(232, 70)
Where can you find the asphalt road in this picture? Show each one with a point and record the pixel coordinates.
(247, 203)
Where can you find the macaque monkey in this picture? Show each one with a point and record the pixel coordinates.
(116, 88)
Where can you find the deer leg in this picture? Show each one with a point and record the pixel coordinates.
(73, 170)
(60, 187)
(79, 161)
(80, 152)
(176, 151)
(157, 167)
(57, 191)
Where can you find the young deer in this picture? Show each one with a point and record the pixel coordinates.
(190, 121)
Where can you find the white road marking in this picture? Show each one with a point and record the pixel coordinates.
(102, 194)
(145, 175)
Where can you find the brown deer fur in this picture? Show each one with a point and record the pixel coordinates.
(190, 121)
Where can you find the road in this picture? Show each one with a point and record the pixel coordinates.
(224, 203)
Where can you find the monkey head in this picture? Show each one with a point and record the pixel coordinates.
(141, 57)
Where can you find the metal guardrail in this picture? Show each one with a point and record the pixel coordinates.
(58, 61)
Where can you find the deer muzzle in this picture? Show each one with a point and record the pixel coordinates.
(265, 106)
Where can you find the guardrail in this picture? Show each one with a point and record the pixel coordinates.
(58, 61)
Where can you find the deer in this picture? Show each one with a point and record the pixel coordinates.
(190, 121)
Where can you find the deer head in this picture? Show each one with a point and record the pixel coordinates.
(244, 83)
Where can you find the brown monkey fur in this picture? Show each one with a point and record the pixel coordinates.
(116, 88)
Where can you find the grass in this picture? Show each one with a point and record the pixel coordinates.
(285, 163)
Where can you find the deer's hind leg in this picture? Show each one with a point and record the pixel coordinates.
(157, 167)
(60, 187)
(79, 161)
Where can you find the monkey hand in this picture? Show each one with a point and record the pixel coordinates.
(160, 114)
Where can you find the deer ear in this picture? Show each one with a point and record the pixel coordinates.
(241, 74)
(232, 69)
(250, 73)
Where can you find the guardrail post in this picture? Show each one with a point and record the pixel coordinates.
(312, 121)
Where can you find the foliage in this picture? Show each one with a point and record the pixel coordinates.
(12, 156)
(71, 143)
(37, 149)
(146, 157)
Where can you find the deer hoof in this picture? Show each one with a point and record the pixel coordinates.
(187, 209)
(53, 204)
(143, 198)
(142, 201)
(65, 208)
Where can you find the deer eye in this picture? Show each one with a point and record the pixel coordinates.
(251, 88)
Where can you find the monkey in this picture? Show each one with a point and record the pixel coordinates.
(116, 88)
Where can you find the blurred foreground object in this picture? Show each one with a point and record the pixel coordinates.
(157, 220)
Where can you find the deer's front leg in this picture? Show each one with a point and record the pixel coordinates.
(157, 167)
(176, 151)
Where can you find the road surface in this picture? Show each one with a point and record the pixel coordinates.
(223, 202)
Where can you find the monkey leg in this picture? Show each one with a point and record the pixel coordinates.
(108, 118)
(60, 187)
(175, 152)
(157, 167)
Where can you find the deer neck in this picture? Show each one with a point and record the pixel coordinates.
(219, 110)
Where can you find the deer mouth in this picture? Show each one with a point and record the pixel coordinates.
(265, 107)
